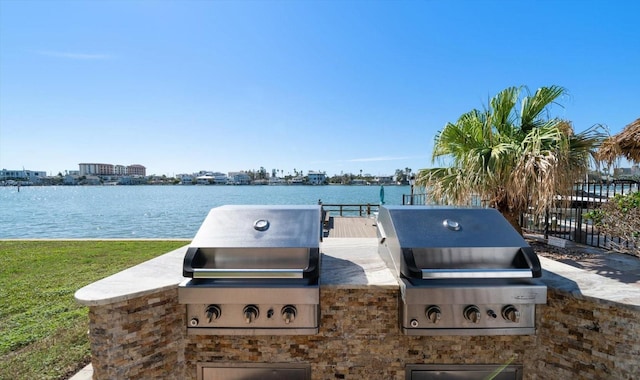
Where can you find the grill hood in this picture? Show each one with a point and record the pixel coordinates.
(427, 242)
(252, 242)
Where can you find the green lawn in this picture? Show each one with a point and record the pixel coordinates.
(43, 331)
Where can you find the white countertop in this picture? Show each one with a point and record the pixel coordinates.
(349, 263)
(354, 263)
(346, 263)
(587, 285)
(158, 274)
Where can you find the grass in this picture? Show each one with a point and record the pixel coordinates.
(43, 330)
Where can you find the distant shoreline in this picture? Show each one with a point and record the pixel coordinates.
(26, 184)
(95, 239)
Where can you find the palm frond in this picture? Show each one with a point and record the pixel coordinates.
(502, 109)
(532, 107)
(445, 185)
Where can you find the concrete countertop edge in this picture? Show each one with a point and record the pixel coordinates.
(152, 276)
(124, 297)
(360, 287)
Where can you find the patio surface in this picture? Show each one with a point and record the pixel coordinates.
(351, 227)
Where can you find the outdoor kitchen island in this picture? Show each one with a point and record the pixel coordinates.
(588, 328)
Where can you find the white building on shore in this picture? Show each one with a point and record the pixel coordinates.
(24, 175)
(316, 178)
(239, 178)
(212, 178)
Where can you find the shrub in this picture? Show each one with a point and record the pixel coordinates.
(620, 218)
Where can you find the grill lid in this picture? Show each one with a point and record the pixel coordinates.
(256, 242)
(427, 242)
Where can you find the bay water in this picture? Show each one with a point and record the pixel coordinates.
(154, 212)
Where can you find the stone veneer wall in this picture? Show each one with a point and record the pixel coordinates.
(141, 338)
(586, 339)
(359, 339)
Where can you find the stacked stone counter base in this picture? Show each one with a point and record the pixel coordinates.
(583, 339)
(589, 329)
(140, 338)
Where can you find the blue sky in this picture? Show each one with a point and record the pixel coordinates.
(337, 86)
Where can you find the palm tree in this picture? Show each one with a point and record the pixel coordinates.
(511, 158)
(399, 175)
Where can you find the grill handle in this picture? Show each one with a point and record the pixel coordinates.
(433, 274)
(247, 273)
(194, 267)
(532, 261)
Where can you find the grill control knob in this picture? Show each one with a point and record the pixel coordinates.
(510, 313)
(194, 322)
(213, 312)
(250, 313)
(433, 314)
(472, 314)
(288, 313)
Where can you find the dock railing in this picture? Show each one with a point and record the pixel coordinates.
(414, 199)
(350, 209)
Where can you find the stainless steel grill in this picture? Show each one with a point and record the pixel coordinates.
(254, 271)
(462, 271)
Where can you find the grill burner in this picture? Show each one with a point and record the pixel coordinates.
(254, 271)
(462, 271)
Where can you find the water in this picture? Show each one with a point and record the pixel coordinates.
(154, 212)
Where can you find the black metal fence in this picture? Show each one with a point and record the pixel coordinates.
(566, 220)
(350, 209)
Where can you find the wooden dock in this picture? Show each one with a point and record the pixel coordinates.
(351, 227)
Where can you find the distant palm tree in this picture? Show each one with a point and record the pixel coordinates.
(512, 158)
